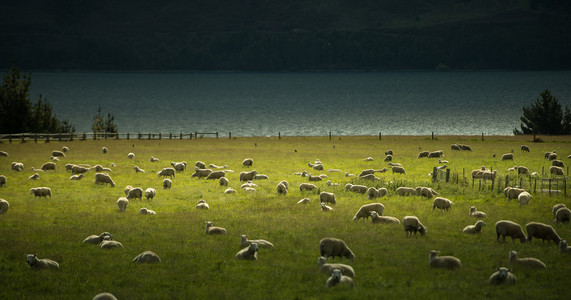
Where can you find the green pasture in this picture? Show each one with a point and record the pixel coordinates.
(388, 265)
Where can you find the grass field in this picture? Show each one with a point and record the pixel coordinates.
(388, 265)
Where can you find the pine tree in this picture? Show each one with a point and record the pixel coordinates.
(101, 125)
(545, 116)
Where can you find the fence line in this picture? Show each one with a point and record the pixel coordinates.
(47, 137)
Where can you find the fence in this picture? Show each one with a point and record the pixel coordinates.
(24, 137)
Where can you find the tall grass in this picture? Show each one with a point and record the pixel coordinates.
(387, 264)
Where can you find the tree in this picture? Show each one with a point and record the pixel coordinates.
(545, 116)
(100, 125)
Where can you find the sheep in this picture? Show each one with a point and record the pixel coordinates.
(200, 165)
(528, 262)
(365, 210)
(166, 172)
(135, 193)
(75, 169)
(281, 189)
(556, 207)
(104, 150)
(502, 276)
(356, 188)
(552, 156)
(41, 263)
(216, 175)
(425, 192)
(248, 162)
(76, 177)
(389, 152)
(477, 214)
(507, 156)
(213, 229)
(564, 247)
(372, 193)
(57, 153)
(127, 189)
(131, 155)
(167, 183)
(147, 257)
(370, 177)
(435, 154)
(347, 174)
(328, 268)
(423, 154)
(307, 187)
(334, 170)
(325, 207)
(369, 159)
(524, 148)
(314, 178)
(398, 169)
(96, 239)
(541, 231)
(405, 191)
(146, 211)
(201, 173)
(465, 147)
(394, 164)
(213, 166)
(444, 262)
(474, 229)
(104, 296)
(104, 178)
(179, 166)
(523, 198)
(261, 177)
(412, 224)
(110, 245)
(440, 161)
(382, 192)
(442, 204)
(122, 203)
(304, 201)
(150, 193)
(17, 166)
(154, 159)
(563, 215)
(332, 247)
(98, 168)
(223, 181)
(338, 279)
(512, 193)
(3, 180)
(41, 192)
(506, 228)
(558, 163)
(202, 205)
(230, 191)
(245, 242)
(248, 253)
(250, 184)
(327, 197)
(455, 147)
(245, 176)
(4, 154)
(376, 219)
(36, 176)
(4, 206)
(48, 166)
(317, 167)
(556, 171)
(388, 158)
(138, 170)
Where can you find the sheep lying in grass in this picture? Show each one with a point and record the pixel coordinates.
(412, 224)
(104, 178)
(508, 156)
(445, 262)
(328, 268)
(406, 191)
(541, 231)
(104, 296)
(528, 262)
(248, 162)
(213, 229)
(167, 183)
(523, 198)
(138, 170)
(376, 219)
(135, 193)
(245, 242)
(474, 229)
(332, 247)
(41, 192)
(166, 172)
(43, 263)
(110, 245)
(96, 239)
(122, 203)
(4, 206)
(150, 193)
(327, 197)
(307, 187)
(436, 154)
(146, 211)
(476, 213)
(564, 247)
(365, 211)
(502, 276)
(202, 205)
(366, 172)
(36, 176)
(563, 215)
(325, 207)
(4, 154)
(223, 181)
(338, 279)
(248, 253)
(76, 177)
(154, 159)
(200, 173)
(147, 257)
(369, 159)
(131, 155)
(3, 180)
(247, 176)
(507, 228)
(250, 184)
(442, 203)
(304, 201)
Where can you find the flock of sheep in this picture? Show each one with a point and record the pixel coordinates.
(339, 274)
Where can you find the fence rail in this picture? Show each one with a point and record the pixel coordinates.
(46, 137)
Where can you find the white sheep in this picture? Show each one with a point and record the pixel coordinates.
(247, 176)
(506, 228)
(122, 203)
(338, 279)
(104, 178)
(366, 209)
(369, 159)
(17, 166)
(135, 193)
(398, 169)
(202, 205)
(110, 244)
(200, 165)
(541, 231)
(147, 257)
(328, 268)
(36, 176)
(167, 183)
(245, 242)
(248, 253)
(48, 166)
(146, 211)
(57, 153)
(76, 177)
(307, 187)
(372, 193)
(524, 148)
(476, 213)
(131, 155)
(325, 207)
(405, 191)
(200, 173)
(150, 193)
(558, 163)
(502, 276)
(250, 184)
(154, 159)
(512, 193)
(216, 175)
(304, 201)
(104, 296)
(445, 262)
(508, 156)
(357, 188)
(557, 207)
(314, 178)
(223, 181)
(3, 180)
(230, 191)
(75, 169)
(388, 158)
(166, 172)
(523, 198)
(4, 206)
(41, 192)
(332, 247)
(96, 239)
(43, 263)
(556, 171)
(327, 197)
(178, 166)
(213, 229)
(104, 150)
(474, 229)
(442, 203)
(4, 154)
(563, 215)
(127, 189)
(281, 189)
(138, 170)
(564, 247)
(528, 262)
(412, 224)
(366, 172)
(424, 191)
(436, 154)
(376, 219)
(248, 162)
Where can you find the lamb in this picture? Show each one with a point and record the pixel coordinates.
(445, 262)
(281, 189)
(167, 183)
(327, 197)
(57, 153)
(104, 150)
(110, 245)
(200, 165)
(131, 155)
(556, 171)
(406, 191)
(36, 176)
(4, 206)
(216, 175)
(332, 247)
(523, 198)
(202, 205)
(424, 154)
(304, 201)
(563, 215)
(307, 187)
(412, 224)
(3, 180)
(104, 296)
(214, 230)
(48, 166)
(325, 207)
(146, 211)
(245, 242)
(506, 228)
(75, 169)
(442, 204)
(96, 239)
(524, 148)
(223, 181)
(178, 166)
(557, 207)
(356, 188)
(372, 193)
(474, 229)
(138, 170)
(528, 262)
(398, 169)
(541, 231)
(338, 279)
(248, 162)
(150, 193)
(248, 253)
(502, 276)
(76, 177)
(147, 257)
(508, 156)
(477, 214)
(558, 163)
(41, 192)
(365, 210)
(328, 268)
(104, 178)
(376, 219)
(135, 193)
(43, 263)
(122, 203)
(246, 176)
(564, 247)
(201, 173)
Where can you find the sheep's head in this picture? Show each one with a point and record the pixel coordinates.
(321, 260)
(254, 247)
(31, 259)
(422, 230)
(563, 244)
(503, 272)
(336, 274)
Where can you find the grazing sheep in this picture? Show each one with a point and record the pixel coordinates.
(370, 177)
(563, 215)
(524, 148)
(521, 170)
(138, 170)
(389, 152)
(96, 239)
(412, 224)
(508, 156)
(246, 176)
(436, 154)
(398, 169)
(167, 183)
(465, 147)
(442, 204)
(338, 279)
(17, 166)
(455, 147)
(248, 253)
(556, 207)
(223, 181)
(147, 257)
(131, 155)
(48, 166)
(332, 247)
(214, 230)
(558, 163)
(36, 176)
(365, 210)
(474, 229)
(523, 198)
(146, 211)
(41, 192)
(200, 165)
(328, 268)
(541, 231)
(327, 197)
(4, 154)
(325, 207)
(394, 164)
(110, 245)
(376, 219)
(216, 175)
(261, 177)
(179, 166)
(444, 262)
(201, 173)
(248, 162)
(304, 201)
(424, 154)
(76, 177)
(512, 193)
(57, 153)
(372, 193)
(307, 187)
(154, 159)
(202, 205)
(245, 242)
(230, 191)
(122, 203)
(552, 156)
(476, 213)
(3, 180)
(43, 263)
(150, 193)
(506, 228)
(98, 168)
(528, 262)
(556, 171)
(135, 193)
(75, 169)
(356, 188)
(314, 178)
(564, 247)
(104, 178)
(281, 189)
(104, 150)
(388, 158)
(406, 191)
(502, 276)
(104, 296)
(425, 192)
(166, 172)
(4, 206)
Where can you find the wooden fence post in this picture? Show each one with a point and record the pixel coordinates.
(433, 135)
(434, 174)
(482, 136)
(549, 186)
(447, 175)
(507, 180)
(229, 135)
(380, 135)
(279, 135)
(59, 137)
(149, 135)
(329, 135)
(35, 138)
(216, 134)
(160, 136)
(47, 140)
(181, 135)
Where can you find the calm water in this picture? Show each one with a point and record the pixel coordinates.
(263, 104)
